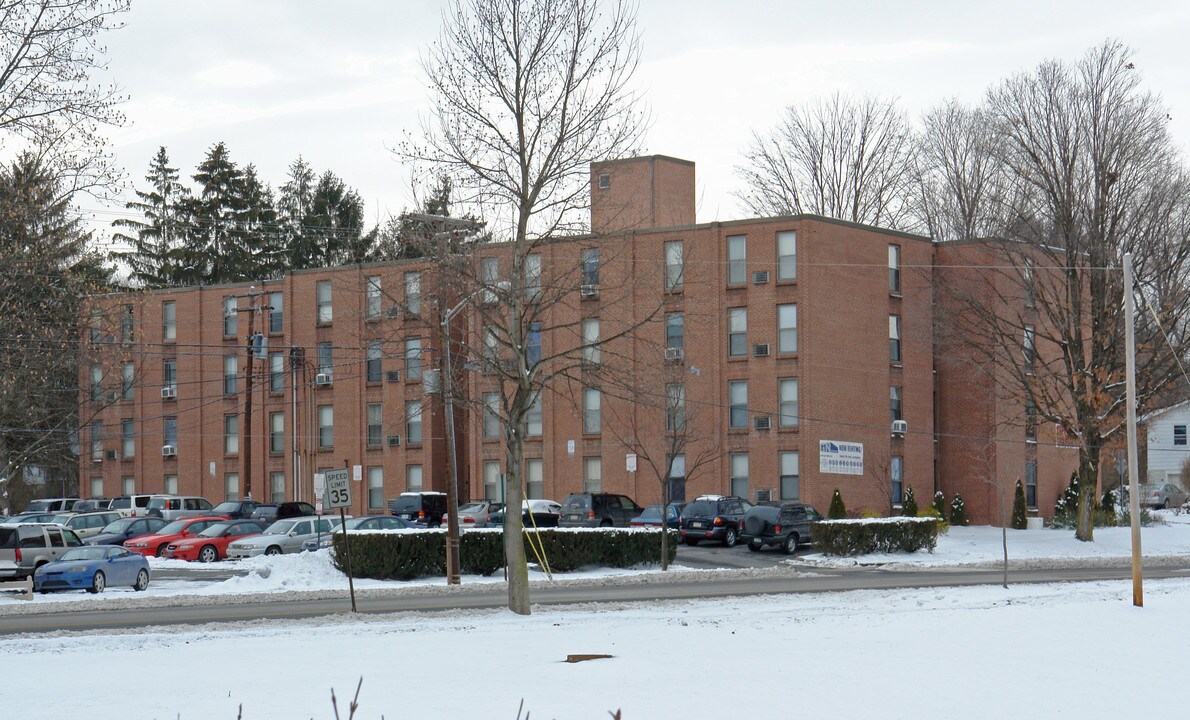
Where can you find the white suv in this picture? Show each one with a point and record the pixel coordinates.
(25, 547)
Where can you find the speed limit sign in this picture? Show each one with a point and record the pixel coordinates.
(338, 488)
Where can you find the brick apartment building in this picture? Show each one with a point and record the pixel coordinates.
(795, 355)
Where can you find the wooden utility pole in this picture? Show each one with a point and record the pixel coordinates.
(1133, 464)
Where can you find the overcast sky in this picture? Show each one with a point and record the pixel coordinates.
(339, 83)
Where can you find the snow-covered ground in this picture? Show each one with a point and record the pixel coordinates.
(984, 652)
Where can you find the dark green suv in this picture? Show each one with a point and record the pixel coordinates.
(714, 517)
(785, 524)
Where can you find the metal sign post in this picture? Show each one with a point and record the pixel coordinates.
(338, 495)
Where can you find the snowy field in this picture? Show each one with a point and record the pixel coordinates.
(984, 652)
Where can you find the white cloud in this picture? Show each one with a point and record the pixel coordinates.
(236, 74)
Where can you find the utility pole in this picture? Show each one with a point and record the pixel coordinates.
(1133, 464)
(255, 345)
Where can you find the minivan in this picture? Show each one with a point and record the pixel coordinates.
(51, 505)
(89, 523)
(131, 505)
(172, 507)
(598, 510)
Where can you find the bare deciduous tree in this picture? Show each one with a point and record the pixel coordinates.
(839, 157)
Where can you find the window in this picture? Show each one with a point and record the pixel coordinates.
(96, 383)
(326, 427)
(786, 329)
(739, 474)
(375, 487)
(127, 485)
(591, 340)
(231, 434)
(230, 374)
(169, 374)
(171, 484)
(97, 441)
(326, 358)
(591, 411)
(1179, 434)
(675, 407)
(675, 266)
(533, 345)
(231, 486)
(894, 402)
(533, 425)
(413, 293)
(787, 399)
(127, 439)
(894, 268)
(128, 382)
(787, 463)
(374, 369)
(491, 415)
(128, 324)
(491, 479)
(737, 396)
(1031, 421)
(170, 431)
(1030, 346)
(372, 297)
(375, 424)
(591, 267)
(325, 309)
(532, 277)
(675, 330)
(169, 321)
(276, 312)
(894, 338)
(787, 255)
(277, 487)
(1031, 483)
(605, 181)
(1027, 278)
(276, 433)
(413, 422)
(592, 474)
(491, 345)
(737, 332)
(896, 473)
(413, 359)
(95, 324)
(489, 274)
(231, 318)
(737, 260)
(413, 478)
(276, 372)
(534, 479)
(96, 487)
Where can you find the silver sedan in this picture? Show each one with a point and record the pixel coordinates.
(283, 536)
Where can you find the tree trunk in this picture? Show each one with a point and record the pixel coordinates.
(665, 524)
(1088, 474)
(514, 552)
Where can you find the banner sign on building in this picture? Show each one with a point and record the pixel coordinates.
(840, 458)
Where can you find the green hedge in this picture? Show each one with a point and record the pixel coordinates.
(409, 555)
(878, 535)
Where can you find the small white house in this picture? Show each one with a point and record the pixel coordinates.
(1169, 447)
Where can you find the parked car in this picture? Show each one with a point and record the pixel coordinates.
(87, 524)
(51, 505)
(91, 504)
(714, 517)
(93, 569)
(31, 517)
(125, 529)
(534, 513)
(271, 513)
(25, 547)
(651, 516)
(131, 505)
(283, 536)
(475, 513)
(236, 509)
(367, 522)
(783, 524)
(420, 508)
(156, 543)
(172, 507)
(598, 510)
(211, 544)
(1161, 495)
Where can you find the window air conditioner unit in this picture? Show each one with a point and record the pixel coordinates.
(899, 427)
(675, 353)
(760, 277)
(111, 455)
(589, 290)
(394, 311)
(322, 379)
(764, 496)
(392, 375)
(760, 350)
(394, 440)
(761, 422)
(169, 393)
(169, 451)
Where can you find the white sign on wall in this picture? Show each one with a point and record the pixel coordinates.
(631, 462)
(840, 458)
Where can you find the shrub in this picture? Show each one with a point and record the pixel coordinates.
(1020, 519)
(886, 535)
(939, 504)
(909, 504)
(837, 509)
(930, 511)
(958, 510)
(1066, 509)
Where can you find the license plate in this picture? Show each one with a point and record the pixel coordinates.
(574, 517)
(696, 524)
(406, 516)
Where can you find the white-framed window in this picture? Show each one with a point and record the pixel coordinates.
(169, 373)
(169, 320)
(326, 427)
(375, 422)
(787, 399)
(532, 277)
(231, 486)
(96, 383)
(896, 472)
(128, 439)
(276, 433)
(675, 266)
(128, 382)
(1031, 422)
(788, 467)
(231, 318)
(592, 474)
(1027, 278)
(375, 487)
(277, 487)
(276, 372)
(491, 415)
(231, 372)
(413, 293)
(169, 430)
(534, 478)
(491, 479)
(97, 487)
(1030, 346)
(533, 420)
(737, 259)
(894, 268)
(97, 441)
(276, 312)
(737, 332)
(1179, 434)
(374, 365)
(675, 330)
(413, 479)
(171, 484)
(737, 397)
(326, 311)
(592, 415)
(326, 358)
(591, 340)
(675, 407)
(128, 324)
(739, 474)
(786, 329)
(590, 260)
(413, 422)
(787, 255)
(489, 274)
(127, 485)
(1031, 483)
(894, 403)
(491, 345)
(231, 434)
(413, 359)
(894, 338)
(372, 297)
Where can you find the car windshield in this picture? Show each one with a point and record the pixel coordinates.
(173, 528)
(227, 507)
(215, 530)
(90, 552)
(280, 527)
(119, 526)
(472, 507)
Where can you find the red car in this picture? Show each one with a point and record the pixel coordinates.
(211, 544)
(156, 543)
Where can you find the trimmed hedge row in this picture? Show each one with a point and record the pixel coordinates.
(883, 535)
(409, 555)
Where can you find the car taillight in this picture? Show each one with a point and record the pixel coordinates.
(718, 521)
(18, 555)
(421, 514)
(776, 528)
(468, 519)
(590, 514)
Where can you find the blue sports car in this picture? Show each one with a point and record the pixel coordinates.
(93, 568)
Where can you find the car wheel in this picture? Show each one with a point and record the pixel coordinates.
(98, 583)
(691, 541)
(790, 544)
(273, 550)
(208, 554)
(142, 581)
(754, 545)
(161, 550)
(605, 523)
(1166, 504)
(730, 537)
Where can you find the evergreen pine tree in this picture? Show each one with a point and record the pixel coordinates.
(294, 207)
(940, 504)
(1019, 511)
(909, 503)
(217, 250)
(958, 510)
(837, 509)
(156, 240)
(267, 257)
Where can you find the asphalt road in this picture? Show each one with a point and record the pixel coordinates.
(494, 596)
